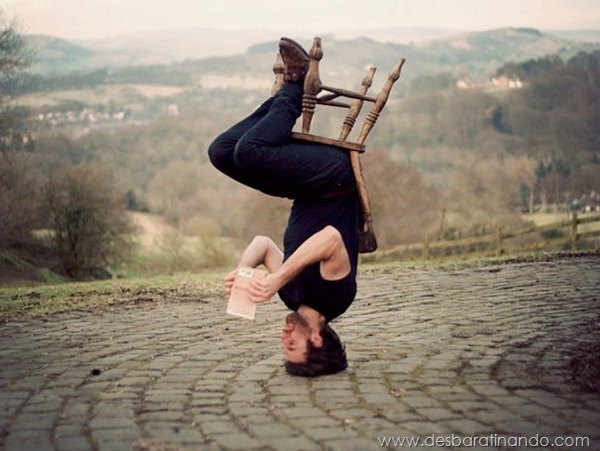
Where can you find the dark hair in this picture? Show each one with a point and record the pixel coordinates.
(330, 358)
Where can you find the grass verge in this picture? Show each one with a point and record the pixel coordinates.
(21, 302)
(46, 299)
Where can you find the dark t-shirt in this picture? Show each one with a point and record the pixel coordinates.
(330, 298)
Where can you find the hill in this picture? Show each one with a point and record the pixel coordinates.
(251, 52)
(55, 55)
(479, 54)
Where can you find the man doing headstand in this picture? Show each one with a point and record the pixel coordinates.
(315, 275)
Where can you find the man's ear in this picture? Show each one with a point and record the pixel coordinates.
(316, 339)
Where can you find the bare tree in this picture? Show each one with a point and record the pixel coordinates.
(405, 209)
(19, 200)
(484, 193)
(87, 216)
(18, 185)
(14, 58)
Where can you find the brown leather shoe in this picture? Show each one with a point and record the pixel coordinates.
(295, 60)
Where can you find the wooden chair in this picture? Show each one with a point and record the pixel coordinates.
(312, 90)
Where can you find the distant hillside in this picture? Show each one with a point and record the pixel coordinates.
(577, 35)
(477, 55)
(59, 56)
(164, 47)
(396, 35)
(55, 55)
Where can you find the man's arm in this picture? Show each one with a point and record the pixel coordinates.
(325, 247)
(261, 251)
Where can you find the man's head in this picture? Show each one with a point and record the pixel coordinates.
(311, 352)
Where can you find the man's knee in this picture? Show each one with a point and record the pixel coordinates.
(246, 155)
(218, 151)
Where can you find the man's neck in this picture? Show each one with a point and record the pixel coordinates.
(315, 320)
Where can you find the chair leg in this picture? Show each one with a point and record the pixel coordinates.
(312, 85)
(354, 110)
(367, 241)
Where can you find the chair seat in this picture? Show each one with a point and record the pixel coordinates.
(329, 141)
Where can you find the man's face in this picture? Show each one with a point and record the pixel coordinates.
(294, 338)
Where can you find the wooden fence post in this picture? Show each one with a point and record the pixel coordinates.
(499, 250)
(574, 231)
(494, 241)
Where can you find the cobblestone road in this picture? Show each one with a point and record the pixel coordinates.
(470, 352)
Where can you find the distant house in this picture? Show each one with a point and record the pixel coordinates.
(590, 202)
(501, 83)
(173, 110)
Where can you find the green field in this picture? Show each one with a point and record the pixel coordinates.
(544, 219)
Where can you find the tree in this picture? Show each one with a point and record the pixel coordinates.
(463, 116)
(14, 58)
(405, 209)
(485, 193)
(19, 212)
(87, 216)
(172, 186)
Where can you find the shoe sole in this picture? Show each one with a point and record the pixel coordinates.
(295, 45)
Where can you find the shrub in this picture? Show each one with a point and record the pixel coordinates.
(87, 216)
(552, 234)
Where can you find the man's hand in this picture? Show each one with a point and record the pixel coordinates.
(262, 290)
(261, 250)
(229, 279)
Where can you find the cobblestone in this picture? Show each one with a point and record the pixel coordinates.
(471, 352)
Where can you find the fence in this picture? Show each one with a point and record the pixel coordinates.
(498, 243)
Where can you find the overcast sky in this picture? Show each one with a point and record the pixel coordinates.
(81, 19)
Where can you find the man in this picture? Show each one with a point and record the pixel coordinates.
(315, 275)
